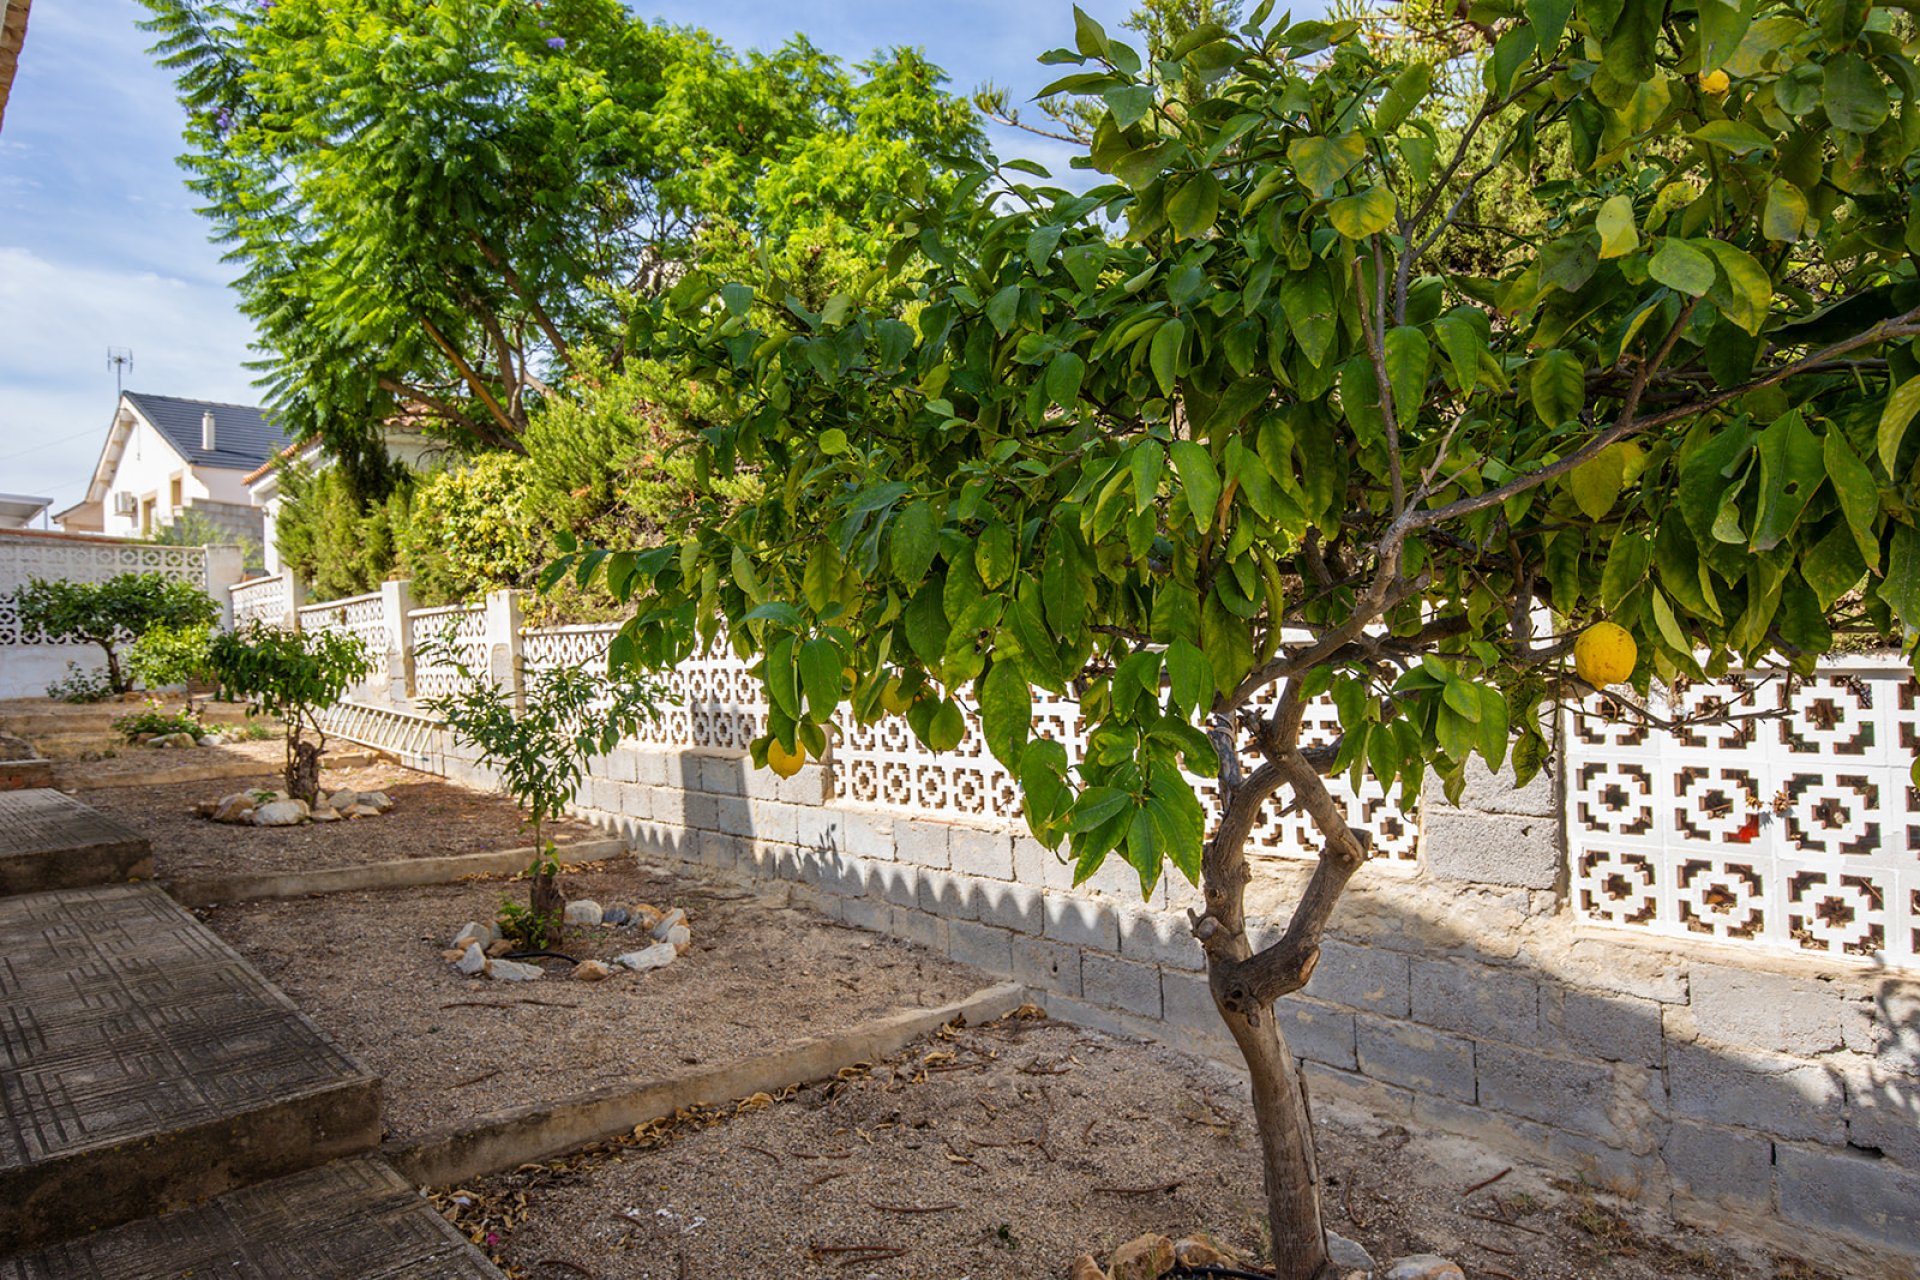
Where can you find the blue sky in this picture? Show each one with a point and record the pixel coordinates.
(100, 246)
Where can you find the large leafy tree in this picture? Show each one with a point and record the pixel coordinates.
(434, 202)
(1233, 432)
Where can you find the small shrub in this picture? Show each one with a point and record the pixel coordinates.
(471, 530)
(171, 655)
(112, 613)
(293, 675)
(527, 929)
(81, 685)
(155, 719)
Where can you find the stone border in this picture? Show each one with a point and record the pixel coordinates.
(541, 1131)
(204, 891)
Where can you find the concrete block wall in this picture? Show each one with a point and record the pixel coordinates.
(1772, 1094)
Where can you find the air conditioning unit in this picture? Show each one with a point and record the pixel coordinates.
(124, 504)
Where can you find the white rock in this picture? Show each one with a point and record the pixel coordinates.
(668, 921)
(323, 814)
(378, 799)
(474, 931)
(280, 813)
(584, 911)
(657, 956)
(365, 811)
(473, 960)
(514, 971)
(679, 938)
(1423, 1266)
(344, 799)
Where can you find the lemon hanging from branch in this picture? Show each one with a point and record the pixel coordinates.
(1605, 654)
(784, 762)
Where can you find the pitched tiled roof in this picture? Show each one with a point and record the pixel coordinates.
(244, 436)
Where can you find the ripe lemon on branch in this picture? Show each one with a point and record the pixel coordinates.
(1605, 654)
(784, 762)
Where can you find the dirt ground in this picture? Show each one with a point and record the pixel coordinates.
(430, 818)
(1003, 1151)
(367, 968)
(269, 753)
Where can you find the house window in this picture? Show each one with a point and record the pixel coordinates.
(146, 517)
(173, 495)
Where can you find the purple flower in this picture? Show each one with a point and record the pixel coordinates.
(556, 42)
(223, 119)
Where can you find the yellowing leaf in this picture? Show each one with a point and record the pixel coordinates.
(1750, 288)
(1901, 406)
(1614, 222)
(1357, 217)
(1596, 482)
(1320, 163)
(1786, 211)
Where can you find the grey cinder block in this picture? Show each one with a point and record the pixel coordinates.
(1773, 1011)
(1780, 1096)
(1084, 922)
(1493, 848)
(987, 854)
(1050, 966)
(1565, 1092)
(1120, 984)
(982, 946)
(1361, 978)
(1415, 1058)
(922, 843)
(1848, 1192)
(1159, 937)
(1009, 905)
(1616, 1028)
(1482, 1001)
(1720, 1164)
(1318, 1032)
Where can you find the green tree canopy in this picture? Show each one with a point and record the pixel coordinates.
(434, 201)
(112, 613)
(1232, 432)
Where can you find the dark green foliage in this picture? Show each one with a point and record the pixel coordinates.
(112, 613)
(293, 675)
(339, 531)
(172, 655)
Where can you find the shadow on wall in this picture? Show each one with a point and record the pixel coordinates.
(1777, 1096)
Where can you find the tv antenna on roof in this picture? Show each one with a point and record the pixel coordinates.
(119, 359)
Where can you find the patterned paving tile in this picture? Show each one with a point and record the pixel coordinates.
(51, 841)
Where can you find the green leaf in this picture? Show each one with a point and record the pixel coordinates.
(1408, 90)
(1199, 480)
(1002, 307)
(947, 727)
(1193, 206)
(1164, 355)
(1191, 677)
(1627, 562)
(820, 665)
(1088, 35)
(1307, 299)
(1792, 465)
(1558, 387)
(737, 297)
(1006, 712)
(1227, 641)
(783, 686)
(1901, 406)
(1722, 28)
(1736, 137)
(1786, 211)
(1901, 587)
(1859, 495)
(1064, 374)
(1751, 289)
(1614, 222)
(1683, 268)
(993, 555)
(1063, 587)
(916, 537)
(1596, 483)
(1460, 339)
(1549, 19)
(1363, 215)
(1320, 163)
(1408, 358)
(1129, 104)
(833, 441)
(1854, 94)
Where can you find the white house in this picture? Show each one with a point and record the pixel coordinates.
(165, 456)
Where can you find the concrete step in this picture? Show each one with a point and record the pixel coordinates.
(49, 840)
(350, 1220)
(146, 1067)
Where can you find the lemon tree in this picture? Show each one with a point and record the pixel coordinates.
(1236, 429)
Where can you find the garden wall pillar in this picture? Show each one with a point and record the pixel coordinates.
(504, 622)
(296, 596)
(396, 602)
(226, 565)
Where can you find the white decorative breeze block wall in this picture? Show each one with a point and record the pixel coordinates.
(1797, 829)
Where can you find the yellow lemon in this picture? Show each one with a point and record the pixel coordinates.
(1605, 654)
(1715, 82)
(894, 697)
(784, 762)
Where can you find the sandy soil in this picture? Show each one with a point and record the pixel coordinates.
(1003, 1151)
(269, 753)
(430, 819)
(367, 968)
